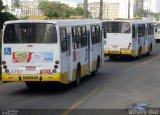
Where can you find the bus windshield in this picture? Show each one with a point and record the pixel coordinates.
(30, 33)
(117, 27)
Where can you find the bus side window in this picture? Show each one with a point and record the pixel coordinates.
(84, 36)
(79, 36)
(133, 32)
(63, 38)
(74, 38)
(95, 34)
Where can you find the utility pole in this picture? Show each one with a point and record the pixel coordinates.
(142, 7)
(128, 9)
(85, 9)
(101, 10)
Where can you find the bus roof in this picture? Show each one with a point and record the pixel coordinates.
(65, 22)
(131, 21)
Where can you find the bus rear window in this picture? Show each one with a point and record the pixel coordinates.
(117, 27)
(30, 33)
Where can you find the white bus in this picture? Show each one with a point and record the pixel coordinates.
(128, 37)
(157, 32)
(51, 50)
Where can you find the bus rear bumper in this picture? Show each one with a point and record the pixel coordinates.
(59, 77)
(120, 52)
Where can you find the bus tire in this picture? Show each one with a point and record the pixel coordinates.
(139, 53)
(97, 67)
(78, 76)
(150, 50)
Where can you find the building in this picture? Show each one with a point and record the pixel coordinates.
(152, 5)
(110, 10)
(30, 8)
(133, 7)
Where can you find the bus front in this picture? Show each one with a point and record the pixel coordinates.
(30, 52)
(119, 38)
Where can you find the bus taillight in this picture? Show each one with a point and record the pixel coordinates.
(129, 46)
(54, 71)
(3, 62)
(56, 62)
(7, 71)
(56, 66)
(5, 67)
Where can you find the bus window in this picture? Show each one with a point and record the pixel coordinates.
(79, 36)
(141, 30)
(63, 38)
(117, 27)
(133, 32)
(74, 36)
(95, 34)
(30, 33)
(84, 36)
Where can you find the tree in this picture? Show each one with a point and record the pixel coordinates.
(16, 4)
(77, 11)
(5, 16)
(1, 6)
(58, 10)
(54, 10)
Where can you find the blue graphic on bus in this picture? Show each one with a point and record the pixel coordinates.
(7, 51)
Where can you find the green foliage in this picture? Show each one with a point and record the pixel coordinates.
(77, 11)
(5, 16)
(157, 16)
(58, 10)
(144, 13)
(16, 4)
(1, 6)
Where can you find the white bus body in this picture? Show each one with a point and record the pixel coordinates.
(128, 37)
(157, 32)
(51, 50)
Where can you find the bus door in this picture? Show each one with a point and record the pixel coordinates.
(135, 38)
(103, 36)
(70, 52)
(89, 43)
(146, 39)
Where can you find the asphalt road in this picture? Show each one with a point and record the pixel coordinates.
(117, 85)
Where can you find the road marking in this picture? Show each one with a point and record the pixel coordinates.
(98, 88)
(79, 102)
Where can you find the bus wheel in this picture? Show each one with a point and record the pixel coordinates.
(139, 53)
(97, 67)
(78, 76)
(33, 84)
(150, 49)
